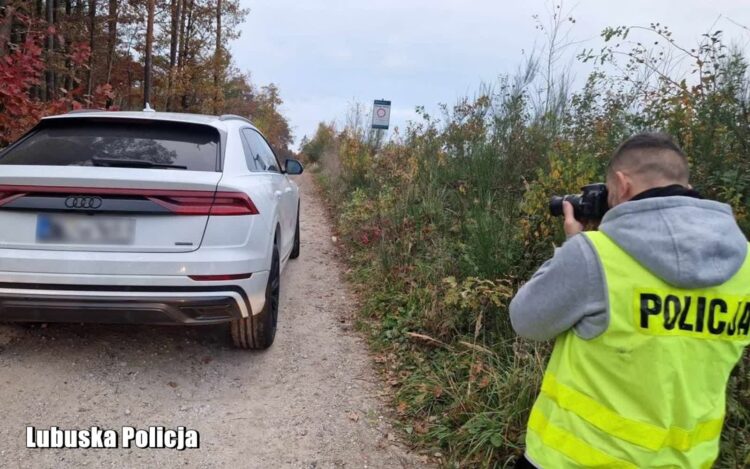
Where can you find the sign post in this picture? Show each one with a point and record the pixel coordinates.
(381, 114)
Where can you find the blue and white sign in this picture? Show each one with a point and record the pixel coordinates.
(381, 114)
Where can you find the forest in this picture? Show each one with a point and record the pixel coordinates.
(61, 55)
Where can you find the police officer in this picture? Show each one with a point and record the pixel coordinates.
(650, 315)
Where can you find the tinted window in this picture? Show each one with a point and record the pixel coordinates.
(268, 155)
(254, 162)
(81, 142)
(263, 156)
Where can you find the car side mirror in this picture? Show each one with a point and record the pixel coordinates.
(293, 167)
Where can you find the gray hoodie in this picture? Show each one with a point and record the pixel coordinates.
(687, 242)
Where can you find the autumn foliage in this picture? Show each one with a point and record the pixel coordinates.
(56, 56)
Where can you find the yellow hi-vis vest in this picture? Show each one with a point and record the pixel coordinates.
(650, 391)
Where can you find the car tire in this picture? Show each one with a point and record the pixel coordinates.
(295, 248)
(258, 331)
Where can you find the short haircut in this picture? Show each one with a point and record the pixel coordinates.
(653, 156)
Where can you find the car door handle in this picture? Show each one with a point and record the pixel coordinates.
(277, 194)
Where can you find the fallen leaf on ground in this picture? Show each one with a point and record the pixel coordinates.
(401, 409)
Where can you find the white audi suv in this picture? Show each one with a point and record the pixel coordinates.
(148, 218)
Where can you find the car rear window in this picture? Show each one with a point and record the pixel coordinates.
(81, 142)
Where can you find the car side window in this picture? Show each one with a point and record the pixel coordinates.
(252, 157)
(266, 154)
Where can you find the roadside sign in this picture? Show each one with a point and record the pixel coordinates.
(381, 114)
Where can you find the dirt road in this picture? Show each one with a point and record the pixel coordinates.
(310, 401)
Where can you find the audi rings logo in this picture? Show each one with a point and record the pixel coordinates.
(83, 201)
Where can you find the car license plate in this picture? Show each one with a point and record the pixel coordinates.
(84, 229)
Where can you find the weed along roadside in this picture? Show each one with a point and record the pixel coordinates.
(442, 223)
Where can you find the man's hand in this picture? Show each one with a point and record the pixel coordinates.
(571, 225)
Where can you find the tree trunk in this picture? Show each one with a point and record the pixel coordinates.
(111, 37)
(149, 47)
(62, 46)
(129, 99)
(181, 41)
(36, 11)
(49, 73)
(80, 18)
(217, 60)
(7, 13)
(12, 30)
(186, 50)
(92, 43)
(68, 41)
(173, 45)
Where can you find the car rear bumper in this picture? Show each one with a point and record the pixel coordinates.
(128, 299)
(112, 310)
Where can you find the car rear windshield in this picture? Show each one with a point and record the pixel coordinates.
(106, 142)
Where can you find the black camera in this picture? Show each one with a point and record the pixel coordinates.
(591, 204)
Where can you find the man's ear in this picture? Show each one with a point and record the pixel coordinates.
(624, 186)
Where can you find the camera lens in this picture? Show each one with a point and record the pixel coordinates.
(556, 206)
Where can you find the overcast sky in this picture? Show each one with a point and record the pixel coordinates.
(326, 54)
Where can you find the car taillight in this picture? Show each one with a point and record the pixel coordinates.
(6, 197)
(179, 202)
(233, 203)
(184, 204)
(221, 203)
